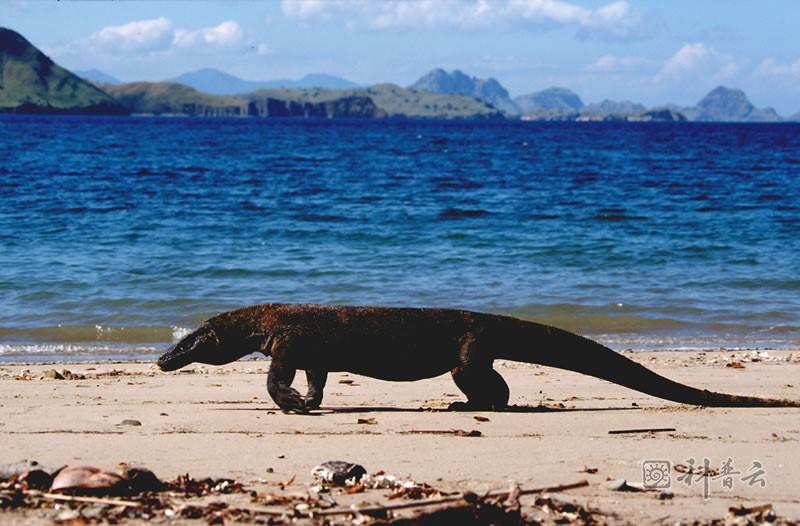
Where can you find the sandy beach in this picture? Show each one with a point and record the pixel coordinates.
(219, 421)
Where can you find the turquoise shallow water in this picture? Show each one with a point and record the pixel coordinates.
(119, 234)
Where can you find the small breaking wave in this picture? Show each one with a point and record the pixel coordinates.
(62, 352)
(179, 333)
(69, 334)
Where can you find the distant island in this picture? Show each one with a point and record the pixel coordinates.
(218, 82)
(380, 101)
(561, 104)
(30, 82)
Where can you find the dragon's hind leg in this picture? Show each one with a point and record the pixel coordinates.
(279, 386)
(316, 385)
(485, 388)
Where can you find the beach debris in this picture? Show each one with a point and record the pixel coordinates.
(456, 432)
(89, 500)
(24, 374)
(623, 485)
(8, 471)
(208, 486)
(64, 374)
(140, 479)
(348, 381)
(368, 421)
(288, 482)
(130, 422)
(29, 474)
(564, 512)
(700, 471)
(589, 470)
(740, 510)
(339, 472)
(481, 418)
(400, 488)
(735, 365)
(761, 514)
(641, 430)
(88, 479)
(178, 499)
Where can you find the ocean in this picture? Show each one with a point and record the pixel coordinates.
(118, 235)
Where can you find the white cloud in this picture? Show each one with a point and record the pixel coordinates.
(415, 13)
(140, 35)
(686, 58)
(616, 64)
(226, 34)
(313, 8)
(549, 11)
(160, 35)
(614, 21)
(695, 58)
(769, 67)
(617, 21)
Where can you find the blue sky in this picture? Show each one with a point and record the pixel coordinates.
(647, 51)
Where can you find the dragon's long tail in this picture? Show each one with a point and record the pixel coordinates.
(544, 345)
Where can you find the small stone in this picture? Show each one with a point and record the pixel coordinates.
(130, 422)
(68, 515)
(94, 513)
(52, 374)
(86, 477)
(142, 479)
(338, 472)
(622, 485)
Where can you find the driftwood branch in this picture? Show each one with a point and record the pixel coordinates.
(642, 430)
(457, 498)
(90, 500)
(420, 503)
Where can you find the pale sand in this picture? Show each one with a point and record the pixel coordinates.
(220, 422)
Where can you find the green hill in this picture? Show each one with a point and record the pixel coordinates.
(384, 100)
(32, 83)
(167, 98)
(394, 101)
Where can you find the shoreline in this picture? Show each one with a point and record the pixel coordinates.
(219, 421)
(136, 356)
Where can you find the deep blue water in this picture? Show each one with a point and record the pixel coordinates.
(117, 234)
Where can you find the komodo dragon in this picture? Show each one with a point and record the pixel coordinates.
(406, 344)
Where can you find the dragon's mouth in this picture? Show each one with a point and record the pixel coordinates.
(195, 347)
(174, 359)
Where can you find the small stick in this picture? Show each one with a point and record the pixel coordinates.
(643, 430)
(90, 500)
(453, 498)
(416, 504)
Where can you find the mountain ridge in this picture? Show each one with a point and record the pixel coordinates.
(96, 76)
(30, 82)
(457, 82)
(555, 98)
(218, 82)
